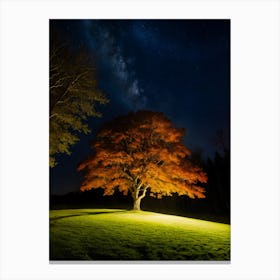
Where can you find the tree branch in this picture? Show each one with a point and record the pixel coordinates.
(144, 192)
(53, 115)
(70, 85)
(127, 175)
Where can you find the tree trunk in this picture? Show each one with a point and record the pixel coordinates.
(136, 203)
(137, 198)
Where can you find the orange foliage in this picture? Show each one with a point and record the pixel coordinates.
(140, 151)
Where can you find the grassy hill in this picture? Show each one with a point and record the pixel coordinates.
(111, 234)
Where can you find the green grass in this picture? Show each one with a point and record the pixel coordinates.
(110, 234)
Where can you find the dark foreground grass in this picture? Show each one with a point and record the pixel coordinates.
(110, 234)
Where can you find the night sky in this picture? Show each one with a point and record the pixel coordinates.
(178, 67)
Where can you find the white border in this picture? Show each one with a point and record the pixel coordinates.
(255, 138)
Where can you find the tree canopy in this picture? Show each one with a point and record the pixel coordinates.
(73, 97)
(142, 152)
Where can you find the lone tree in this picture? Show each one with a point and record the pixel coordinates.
(73, 97)
(142, 151)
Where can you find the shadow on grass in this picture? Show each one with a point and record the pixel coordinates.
(84, 214)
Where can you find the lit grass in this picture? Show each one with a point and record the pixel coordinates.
(110, 234)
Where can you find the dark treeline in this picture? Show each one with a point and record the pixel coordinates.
(215, 207)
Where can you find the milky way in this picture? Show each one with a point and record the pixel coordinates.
(111, 60)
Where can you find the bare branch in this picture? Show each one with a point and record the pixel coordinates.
(53, 115)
